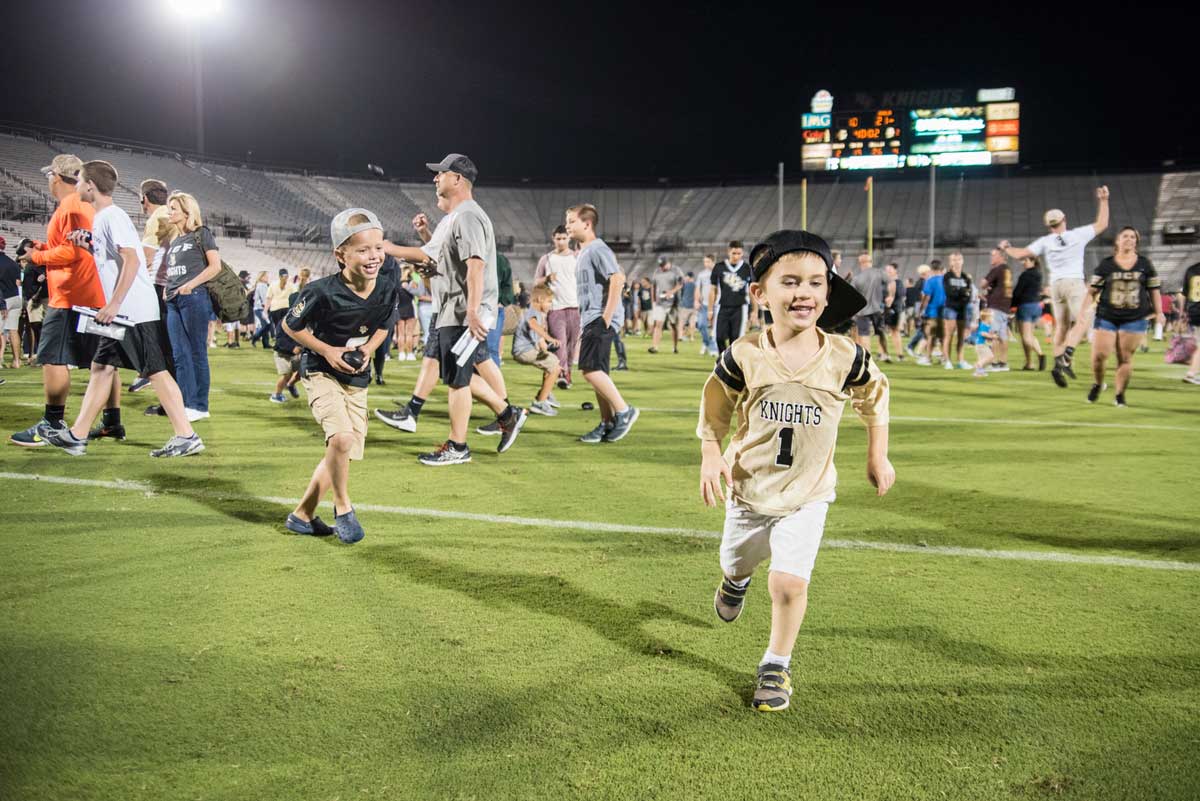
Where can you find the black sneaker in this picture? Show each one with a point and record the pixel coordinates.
(139, 385)
(156, 410)
(444, 455)
(651, 350)
(729, 599)
(102, 431)
(621, 423)
(1041, 362)
(1094, 393)
(1059, 375)
(1066, 366)
(1119, 401)
(34, 436)
(510, 429)
(379, 380)
(562, 383)
(621, 365)
(492, 429)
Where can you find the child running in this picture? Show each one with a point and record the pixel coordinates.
(339, 321)
(787, 386)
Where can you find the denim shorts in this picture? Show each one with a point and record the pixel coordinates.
(1135, 327)
(951, 313)
(1029, 312)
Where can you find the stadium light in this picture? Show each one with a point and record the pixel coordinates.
(195, 9)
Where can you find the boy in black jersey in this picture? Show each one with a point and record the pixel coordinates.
(340, 321)
(729, 301)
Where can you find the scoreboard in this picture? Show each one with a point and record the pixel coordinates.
(981, 132)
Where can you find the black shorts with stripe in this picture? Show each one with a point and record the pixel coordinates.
(61, 343)
(144, 349)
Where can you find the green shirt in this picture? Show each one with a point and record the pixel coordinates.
(504, 277)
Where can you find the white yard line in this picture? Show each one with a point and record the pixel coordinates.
(621, 528)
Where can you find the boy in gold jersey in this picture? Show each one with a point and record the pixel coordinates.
(786, 387)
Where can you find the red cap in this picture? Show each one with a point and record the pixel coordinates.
(3, 243)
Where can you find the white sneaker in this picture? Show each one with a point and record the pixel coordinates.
(412, 357)
(195, 414)
(923, 361)
(1191, 379)
(964, 366)
(542, 407)
(949, 365)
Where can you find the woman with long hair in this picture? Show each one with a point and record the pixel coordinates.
(261, 285)
(277, 301)
(192, 260)
(1027, 299)
(1125, 290)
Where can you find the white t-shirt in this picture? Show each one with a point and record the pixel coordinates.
(1063, 253)
(562, 267)
(112, 230)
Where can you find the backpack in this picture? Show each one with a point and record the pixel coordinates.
(229, 300)
(1180, 350)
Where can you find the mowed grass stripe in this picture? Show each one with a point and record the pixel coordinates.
(622, 528)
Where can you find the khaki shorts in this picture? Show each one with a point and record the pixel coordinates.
(1066, 296)
(687, 317)
(658, 314)
(339, 408)
(12, 312)
(284, 365)
(36, 312)
(1000, 324)
(544, 360)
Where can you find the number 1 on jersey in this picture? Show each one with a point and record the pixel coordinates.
(784, 457)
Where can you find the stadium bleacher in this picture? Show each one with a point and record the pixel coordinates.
(283, 215)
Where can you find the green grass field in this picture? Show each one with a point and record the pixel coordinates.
(163, 637)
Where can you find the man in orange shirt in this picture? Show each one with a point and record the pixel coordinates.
(72, 280)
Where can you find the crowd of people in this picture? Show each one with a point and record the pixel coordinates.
(97, 295)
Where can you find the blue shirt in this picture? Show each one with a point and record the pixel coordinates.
(936, 293)
(687, 295)
(10, 277)
(596, 259)
(978, 337)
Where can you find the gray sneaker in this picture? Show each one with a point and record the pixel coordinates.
(553, 401)
(596, 434)
(543, 407)
(729, 599)
(63, 439)
(179, 446)
(622, 422)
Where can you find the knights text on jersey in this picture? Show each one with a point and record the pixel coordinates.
(781, 451)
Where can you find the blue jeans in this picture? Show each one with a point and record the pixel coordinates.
(705, 328)
(264, 328)
(187, 325)
(493, 337)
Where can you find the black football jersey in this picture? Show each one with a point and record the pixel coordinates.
(1191, 293)
(1125, 294)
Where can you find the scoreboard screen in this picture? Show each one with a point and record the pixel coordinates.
(981, 133)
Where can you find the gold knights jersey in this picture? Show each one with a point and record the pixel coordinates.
(781, 451)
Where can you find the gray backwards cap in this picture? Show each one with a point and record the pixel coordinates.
(456, 162)
(340, 229)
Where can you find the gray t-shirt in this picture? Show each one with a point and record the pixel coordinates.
(872, 284)
(596, 258)
(186, 260)
(525, 338)
(666, 281)
(470, 237)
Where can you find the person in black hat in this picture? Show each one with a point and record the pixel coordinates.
(787, 385)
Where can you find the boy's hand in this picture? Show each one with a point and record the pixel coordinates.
(334, 357)
(881, 474)
(712, 469)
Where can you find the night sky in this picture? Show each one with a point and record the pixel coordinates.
(557, 92)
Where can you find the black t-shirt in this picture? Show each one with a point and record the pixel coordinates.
(912, 295)
(732, 283)
(646, 298)
(958, 290)
(33, 284)
(1028, 288)
(1125, 294)
(335, 315)
(10, 276)
(1191, 293)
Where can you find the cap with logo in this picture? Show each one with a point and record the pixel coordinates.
(663, 261)
(456, 162)
(1053, 217)
(844, 301)
(65, 165)
(340, 229)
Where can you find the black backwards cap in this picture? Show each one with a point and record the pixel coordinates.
(844, 300)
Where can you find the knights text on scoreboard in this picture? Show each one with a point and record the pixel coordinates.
(893, 130)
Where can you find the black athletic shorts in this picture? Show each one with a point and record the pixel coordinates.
(143, 349)
(891, 317)
(61, 343)
(595, 346)
(451, 374)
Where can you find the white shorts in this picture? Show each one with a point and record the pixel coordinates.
(12, 312)
(231, 326)
(791, 542)
(658, 314)
(1000, 324)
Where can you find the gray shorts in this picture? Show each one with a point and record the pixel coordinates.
(1000, 324)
